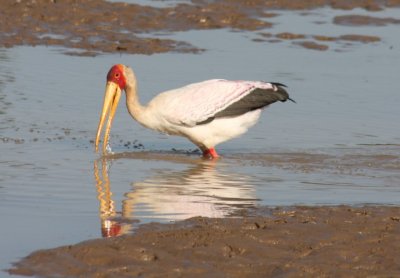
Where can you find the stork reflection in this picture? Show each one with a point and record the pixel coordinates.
(202, 189)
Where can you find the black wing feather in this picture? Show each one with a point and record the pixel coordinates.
(256, 99)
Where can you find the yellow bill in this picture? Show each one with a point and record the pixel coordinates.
(111, 99)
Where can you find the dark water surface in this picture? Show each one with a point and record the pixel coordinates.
(340, 144)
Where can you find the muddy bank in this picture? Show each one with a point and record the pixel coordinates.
(294, 242)
(111, 27)
(97, 26)
(363, 20)
(314, 41)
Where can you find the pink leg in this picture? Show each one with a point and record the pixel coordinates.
(210, 153)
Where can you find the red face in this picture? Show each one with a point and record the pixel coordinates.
(116, 75)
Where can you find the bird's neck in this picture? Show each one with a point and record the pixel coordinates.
(137, 111)
(132, 101)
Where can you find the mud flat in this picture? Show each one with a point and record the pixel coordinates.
(293, 242)
(97, 26)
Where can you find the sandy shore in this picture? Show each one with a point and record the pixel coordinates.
(283, 242)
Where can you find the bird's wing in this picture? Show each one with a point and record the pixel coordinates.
(256, 98)
(200, 103)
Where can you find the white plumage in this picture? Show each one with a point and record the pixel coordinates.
(197, 102)
(207, 113)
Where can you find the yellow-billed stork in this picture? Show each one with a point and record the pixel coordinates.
(207, 113)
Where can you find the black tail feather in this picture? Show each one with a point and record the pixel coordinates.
(278, 84)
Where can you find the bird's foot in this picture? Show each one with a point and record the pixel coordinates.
(210, 154)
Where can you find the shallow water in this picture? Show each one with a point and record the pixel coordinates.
(339, 144)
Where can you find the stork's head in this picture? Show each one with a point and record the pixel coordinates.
(116, 82)
(117, 75)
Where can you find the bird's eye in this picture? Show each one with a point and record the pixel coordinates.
(116, 75)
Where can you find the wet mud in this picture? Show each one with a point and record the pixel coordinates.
(364, 20)
(291, 242)
(295, 241)
(314, 41)
(94, 27)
